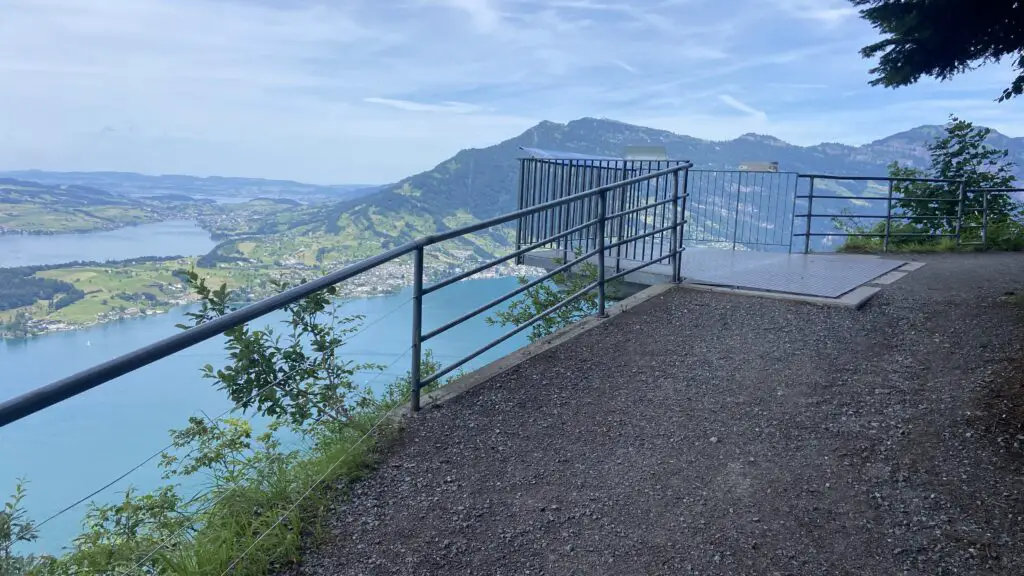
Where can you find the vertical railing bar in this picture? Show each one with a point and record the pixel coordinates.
(759, 221)
(772, 232)
(682, 224)
(674, 248)
(888, 219)
(718, 207)
(520, 201)
(709, 212)
(655, 214)
(959, 211)
(531, 191)
(564, 212)
(632, 195)
(739, 191)
(984, 220)
(620, 223)
(557, 175)
(601, 206)
(773, 207)
(765, 223)
(792, 214)
(542, 173)
(810, 210)
(665, 215)
(417, 327)
(574, 210)
(725, 204)
(753, 215)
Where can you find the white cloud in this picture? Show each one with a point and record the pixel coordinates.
(746, 109)
(370, 91)
(443, 107)
(624, 66)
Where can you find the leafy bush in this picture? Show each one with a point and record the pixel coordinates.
(261, 498)
(546, 295)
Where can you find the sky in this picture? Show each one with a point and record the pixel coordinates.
(370, 91)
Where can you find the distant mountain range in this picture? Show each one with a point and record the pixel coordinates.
(132, 184)
(481, 183)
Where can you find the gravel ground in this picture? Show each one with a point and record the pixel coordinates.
(704, 433)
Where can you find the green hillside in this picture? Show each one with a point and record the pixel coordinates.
(481, 183)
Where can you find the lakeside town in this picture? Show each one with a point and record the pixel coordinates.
(385, 279)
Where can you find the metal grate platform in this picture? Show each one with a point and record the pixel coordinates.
(819, 275)
(825, 275)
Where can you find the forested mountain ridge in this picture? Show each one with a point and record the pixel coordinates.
(482, 182)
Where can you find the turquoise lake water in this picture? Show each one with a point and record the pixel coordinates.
(78, 446)
(171, 238)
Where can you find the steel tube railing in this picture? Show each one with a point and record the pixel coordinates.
(43, 397)
(492, 263)
(537, 318)
(955, 224)
(507, 296)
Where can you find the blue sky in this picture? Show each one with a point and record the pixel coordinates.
(374, 90)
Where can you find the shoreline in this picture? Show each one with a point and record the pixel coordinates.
(57, 326)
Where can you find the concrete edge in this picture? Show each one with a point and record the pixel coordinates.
(854, 299)
(910, 266)
(477, 377)
(890, 277)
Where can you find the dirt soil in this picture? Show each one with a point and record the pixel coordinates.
(703, 433)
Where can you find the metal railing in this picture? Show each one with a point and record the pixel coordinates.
(891, 213)
(739, 209)
(978, 218)
(607, 239)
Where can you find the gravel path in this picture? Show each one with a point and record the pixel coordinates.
(703, 433)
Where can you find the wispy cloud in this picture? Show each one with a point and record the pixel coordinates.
(624, 66)
(745, 108)
(364, 90)
(410, 106)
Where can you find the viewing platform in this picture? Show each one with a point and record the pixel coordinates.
(841, 279)
(689, 428)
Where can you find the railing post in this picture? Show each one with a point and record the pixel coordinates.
(621, 220)
(521, 204)
(417, 327)
(810, 210)
(959, 211)
(736, 220)
(984, 220)
(675, 227)
(601, 211)
(888, 219)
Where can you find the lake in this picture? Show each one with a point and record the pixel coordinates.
(170, 238)
(78, 446)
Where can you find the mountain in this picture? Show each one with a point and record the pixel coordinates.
(132, 184)
(483, 181)
(480, 183)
